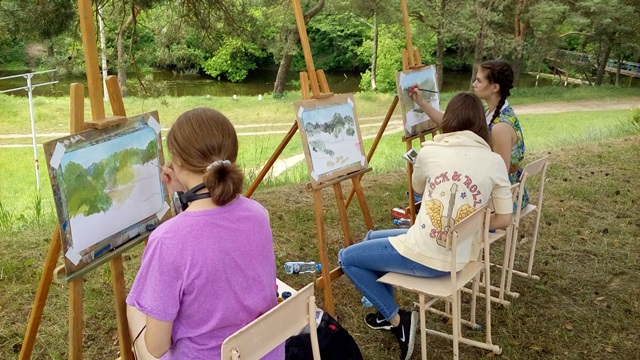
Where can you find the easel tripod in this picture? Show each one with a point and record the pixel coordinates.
(77, 124)
(316, 80)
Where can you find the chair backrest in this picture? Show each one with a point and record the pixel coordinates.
(467, 228)
(275, 326)
(533, 168)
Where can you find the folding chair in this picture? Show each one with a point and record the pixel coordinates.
(275, 326)
(448, 288)
(532, 169)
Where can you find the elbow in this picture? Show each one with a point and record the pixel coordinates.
(500, 221)
(156, 348)
(157, 351)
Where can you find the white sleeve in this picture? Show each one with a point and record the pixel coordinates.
(501, 193)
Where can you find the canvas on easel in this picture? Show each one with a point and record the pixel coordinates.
(331, 137)
(107, 187)
(415, 120)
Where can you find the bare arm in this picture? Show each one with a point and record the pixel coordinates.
(433, 113)
(157, 337)
(503, 137)
(499, 221)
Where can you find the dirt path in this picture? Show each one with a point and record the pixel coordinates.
(591, 105)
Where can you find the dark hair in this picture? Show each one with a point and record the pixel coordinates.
(499, 72)
(465, 112)
(197, 139)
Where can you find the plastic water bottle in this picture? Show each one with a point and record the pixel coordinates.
(299, 267)
(402, 222)
(366, 302)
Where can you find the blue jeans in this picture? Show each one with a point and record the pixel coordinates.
(384, 234)
(365, 262)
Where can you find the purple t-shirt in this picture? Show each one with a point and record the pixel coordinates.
(210, 272)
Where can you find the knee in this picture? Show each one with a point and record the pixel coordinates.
(342, 256)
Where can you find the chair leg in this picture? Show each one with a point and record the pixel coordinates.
(487, 303)
(533, 242)
(474, 298)
(512, 256)
(505, 262)
(423, 328)
(456, 323)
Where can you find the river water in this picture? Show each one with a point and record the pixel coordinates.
(170, 83)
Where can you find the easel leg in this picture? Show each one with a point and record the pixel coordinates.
(322, 248)
(75, 319)
(383, 127)
(41, 296)
(117, 282)
(272, 160)
(342, 212)
(363, 202)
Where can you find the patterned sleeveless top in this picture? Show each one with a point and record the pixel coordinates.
(517, 151)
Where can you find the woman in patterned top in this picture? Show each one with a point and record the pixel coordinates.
(492, 84)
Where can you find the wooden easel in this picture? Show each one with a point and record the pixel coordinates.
(317, 81)
(77, 124)
(410, 60)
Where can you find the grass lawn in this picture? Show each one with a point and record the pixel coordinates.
(586, 306)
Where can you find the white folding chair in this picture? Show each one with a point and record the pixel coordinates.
(275, 326)
(538, 167)
(448, 288)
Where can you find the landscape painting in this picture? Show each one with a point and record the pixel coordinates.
(331, 137)
(415, 120)
(106, 185)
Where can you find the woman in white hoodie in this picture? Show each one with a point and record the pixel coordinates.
(456, 173)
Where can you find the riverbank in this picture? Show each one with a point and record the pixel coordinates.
(52, 113)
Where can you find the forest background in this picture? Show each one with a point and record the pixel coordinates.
(229, 40)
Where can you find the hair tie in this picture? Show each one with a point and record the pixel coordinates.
(217, 163)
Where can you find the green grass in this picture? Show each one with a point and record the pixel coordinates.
(52, 113)
(586, 305)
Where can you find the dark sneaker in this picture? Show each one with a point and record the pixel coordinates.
(377, 321)
(406, 333)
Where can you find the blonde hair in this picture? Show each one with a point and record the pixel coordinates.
(200, 137)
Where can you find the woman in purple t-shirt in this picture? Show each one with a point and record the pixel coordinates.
(211, 269)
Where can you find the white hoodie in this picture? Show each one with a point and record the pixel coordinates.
(456, 173)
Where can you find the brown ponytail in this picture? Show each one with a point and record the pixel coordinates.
(202, 137)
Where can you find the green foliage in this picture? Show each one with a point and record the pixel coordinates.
(233, 60)
(390, 45)
(334, 40)
(635, 120)
(179, 56)
(12, 51)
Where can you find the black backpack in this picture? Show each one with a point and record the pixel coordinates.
(335, 343)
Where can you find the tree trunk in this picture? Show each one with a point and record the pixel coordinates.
(285, 63)
(292, 39)
(478, 52)
(440, 45)
(519, 37)
(603, 63)
(50, 52)
(122, 64)
(374, 58)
